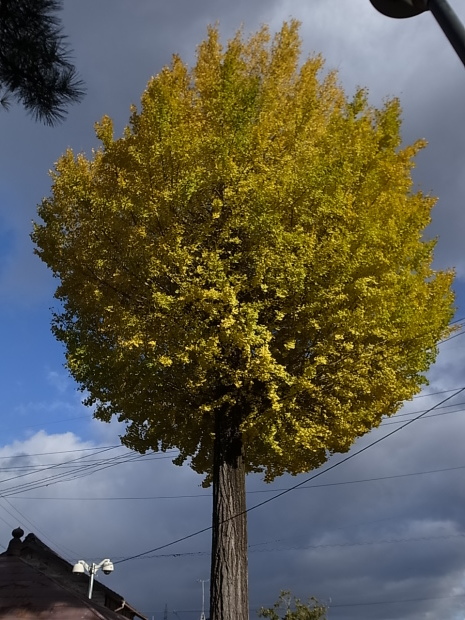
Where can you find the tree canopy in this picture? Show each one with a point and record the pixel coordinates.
(35, 68)
(243, 274)
(253, 240)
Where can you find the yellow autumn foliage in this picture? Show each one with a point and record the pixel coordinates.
(252, 242)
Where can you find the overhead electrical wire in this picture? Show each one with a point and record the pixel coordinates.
(405, 600)
(50, 422)
(94, 465)
(160, 455)
(55, 465)
(357, 452)
(104, 463)
(295, 547)
(399, 415)
(84, 467)
(27, 455)
(254, 492)
(427, 417)
(26, 519)
(84, 470)
(363, 543)
(90, 449)
(88, 468)
(73, 464)
(331, 606)
(37, 468)
(435, 393)
(296, 486)
(7, 523)
(452, 337)
(73, 467)
(36, 528)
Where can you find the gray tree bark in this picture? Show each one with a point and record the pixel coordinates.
(229, 570)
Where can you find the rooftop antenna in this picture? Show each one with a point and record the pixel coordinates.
(203, 582)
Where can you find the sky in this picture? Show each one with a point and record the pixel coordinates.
(380, 536)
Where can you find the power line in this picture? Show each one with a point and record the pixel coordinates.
(254, 492)
(99, 465)
(435, 393)
(118, 460)
(452, 337)
(57, 464)
(85, 469)
(30, 454)
(296, 486)
(7, 523)
(360, 604)
(27, 455)
(354, 454)
(49, 422)
(94, 465)
(427, 417)
(36, 527)
(69, 465)
(399, 415)
(81, 470)
(33, 469)
(405, 600)
(364, 543)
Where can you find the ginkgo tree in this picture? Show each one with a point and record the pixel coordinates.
(243, 274)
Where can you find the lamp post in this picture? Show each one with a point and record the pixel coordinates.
(203, 582)
(441, 10)
(82, 567)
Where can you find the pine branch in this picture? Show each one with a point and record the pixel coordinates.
(35, 66)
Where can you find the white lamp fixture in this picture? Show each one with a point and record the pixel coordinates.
(82, 567)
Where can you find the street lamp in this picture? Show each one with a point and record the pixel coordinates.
(203, 582)
(82, 567)
(442, 11)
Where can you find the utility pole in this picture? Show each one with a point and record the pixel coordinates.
(165, 615)
(203, 582)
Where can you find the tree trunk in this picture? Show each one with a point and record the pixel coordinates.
(229, 574)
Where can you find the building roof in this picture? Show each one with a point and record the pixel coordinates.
(35, 582)
(28, 593)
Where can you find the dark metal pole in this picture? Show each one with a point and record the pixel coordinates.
(450, 24)
(441, 10)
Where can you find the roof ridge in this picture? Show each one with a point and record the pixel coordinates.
(38, 550)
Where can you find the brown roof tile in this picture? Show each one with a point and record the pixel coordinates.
(27, 593)
(35, 582)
